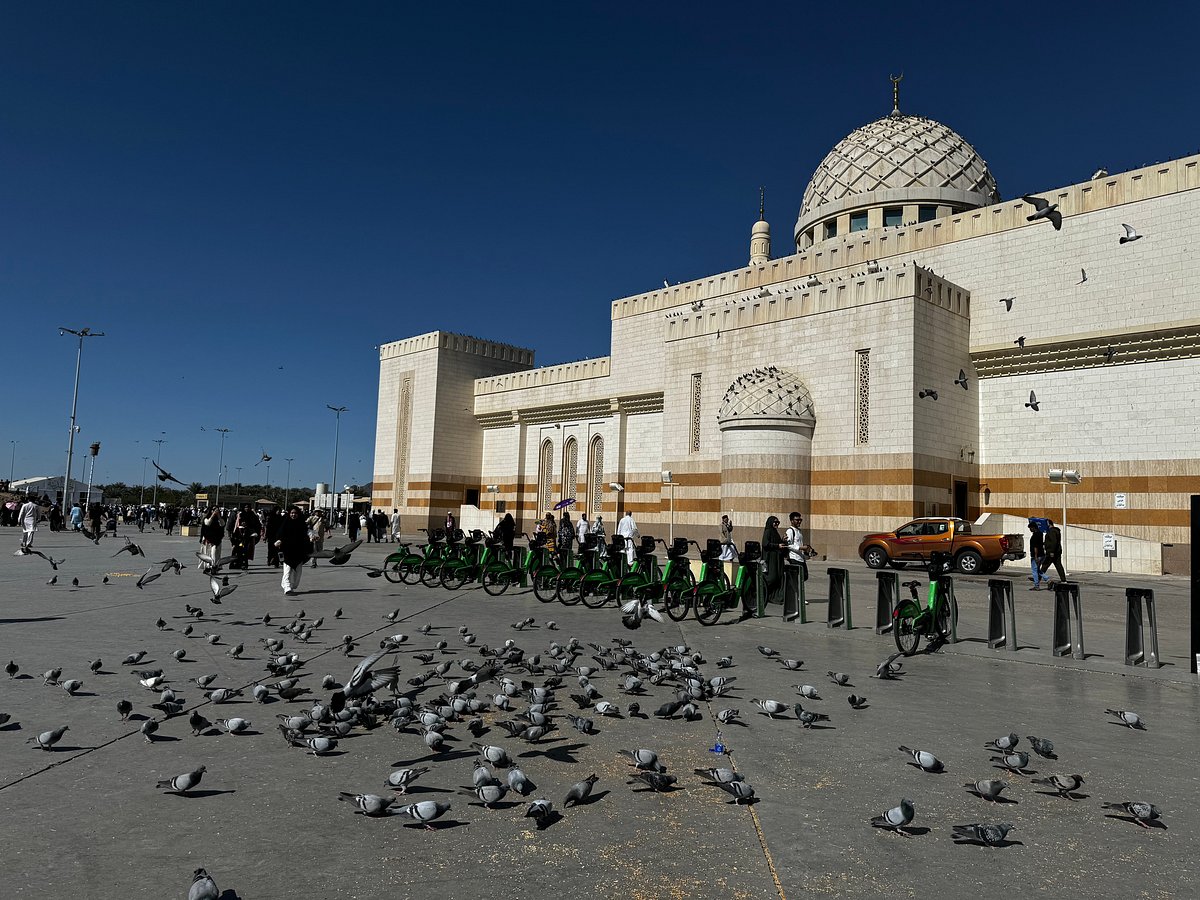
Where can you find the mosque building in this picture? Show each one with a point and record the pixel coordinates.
(923, 349)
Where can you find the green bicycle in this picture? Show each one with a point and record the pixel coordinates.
(910, 622)
(710, 603)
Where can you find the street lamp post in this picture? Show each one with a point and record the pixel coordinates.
(220, 466)
(157, 461)
(13, 461)
(95, 451)
(1064, 477)
(288, 485)
(81, 334)
(238, 469)
(669, 479)
(142, 496)
(337, 427)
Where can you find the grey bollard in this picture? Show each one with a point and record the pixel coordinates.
(1002, 615)
(885, 600)
(946, 589)
(838, 613)
(1067, 606)
(760, 590)
(1136, 652)
(795, 604)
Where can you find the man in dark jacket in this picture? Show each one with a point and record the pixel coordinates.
(1037, 550)
(1053, 551)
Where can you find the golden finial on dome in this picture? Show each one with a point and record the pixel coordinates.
(896, 79)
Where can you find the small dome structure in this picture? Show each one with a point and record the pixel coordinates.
(766, 394)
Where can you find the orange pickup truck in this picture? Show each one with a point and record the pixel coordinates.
(974, 554)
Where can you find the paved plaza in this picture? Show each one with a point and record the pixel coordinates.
(86, 820)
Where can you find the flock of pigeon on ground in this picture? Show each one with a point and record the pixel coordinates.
(524, 692)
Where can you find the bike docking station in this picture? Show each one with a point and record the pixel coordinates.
(1136, 651)
(1002, 615)
(885, 601)
(838, 614)
(1066, 602)
(945, 587)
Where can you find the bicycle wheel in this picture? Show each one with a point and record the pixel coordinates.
(394, 573)
(708, 607)
(594, 594)
(942, 620)
(430, 574)
(904, 630)
(454, 577)
(410, 572)
(566, 588)
(677, 600)
(496, 581)
(545, 581)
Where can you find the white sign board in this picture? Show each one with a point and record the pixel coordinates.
(1119, 501)
(1110, 543)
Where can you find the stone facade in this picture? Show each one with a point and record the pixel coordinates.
(854, 328)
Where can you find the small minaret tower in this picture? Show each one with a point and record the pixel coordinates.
(760, 235)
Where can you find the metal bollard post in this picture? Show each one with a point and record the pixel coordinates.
(1066, 603)
(885, 601)
(839, 600)
(1136, 653)
(795, 604)
(760, 590)
(1002, 614)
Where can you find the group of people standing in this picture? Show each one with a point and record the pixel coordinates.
(1045, 550)
(291, 538)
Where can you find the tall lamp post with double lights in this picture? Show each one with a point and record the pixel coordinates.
(81, 334)
(288, 484)
(1065, 477)
(142, 496)
(157, 462)
(12, 462)
(220, 465)
(337, 428)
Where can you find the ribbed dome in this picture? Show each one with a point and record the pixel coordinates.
(900, 152)
(769, 392)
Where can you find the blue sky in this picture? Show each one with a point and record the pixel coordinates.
(226, 189)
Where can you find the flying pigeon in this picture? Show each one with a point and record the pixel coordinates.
(896, 818)
(219, 589)
(1130, 234)
(1020, 342)
(265, 458)
(1064, 784)
(149, 576)
(928, 392)
(363, 680)
(130, 547)
(1140, 811)
(961, 380)
(1008, 302)
(1033, 402)
(1110, 354)
(164, 475)
(990, 835)
(1044, 209)
(889, 668)
(1083, 277)
(181, 784)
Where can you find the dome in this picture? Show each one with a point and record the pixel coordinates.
(898, 159)
(767, 393)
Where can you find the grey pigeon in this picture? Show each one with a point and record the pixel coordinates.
(720, 776)
(961, 380)
(987, 788)
(1014, 761)
(317, 746)
(149, 576)
(1008, 302)
(48, 739)
(71, 685)
(368, 804)
(725, 716)
(724, 662)
(772, 708)
(234, 725)
(425, 811)
(400, 779)
(203, 887)
(991, 835)
(1042, 747)
(489, 793)
(96, 665)
(839, 678)
(181, 784)
(364, 680)
(148, 728)
(124, 708)
(856, 702)
(807, 717)
(1004, 743)
(1132, 719)
(198, 723)
(896, 818)
(540, 811)
(1140, 811)
(807, 691)
(51, 676)
(644, 759)
(1044, 209)
(1064, 784)
(767, 651)
(518, 781)
(497, 756)
(1130, 234)
(889, 668)
(924, 759)
(581, 790)
(792, 664)
(741, 791)
(656, 781)
(1033, 403)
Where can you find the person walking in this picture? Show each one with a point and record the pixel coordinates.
(316, 534)
(395, 525)
(773, 547)
(274, 521)
(601, 536)
(583, 529)
(352, 525)
(627, 528)
(295, 546)
(798, 550)
(212, 532)
(566, 536)
(27, 517)
(1052, 550)
(505, 533)
(728, 548)
(367, 522)
(76, 517)
(1037, 551)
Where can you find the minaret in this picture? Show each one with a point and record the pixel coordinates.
(760, 235)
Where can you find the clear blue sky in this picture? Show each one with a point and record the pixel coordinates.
(228, 188)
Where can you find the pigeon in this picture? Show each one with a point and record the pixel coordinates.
(179, 654)
(961, 380)
(235, 651)
(1064, 784)
(181, 784)
(1042, 747)
(48, 739)
(53, 580)
(203, 887)
(1132, 719)
(771, 708)
(807, 717)
(540, 811)
(1130, 235)
(724, 662)
(170, 563)
(425, 811)
(149, 576)
(807, 691)
(148, 728)
(741, 791)
(1110, 354)
(1082, 277)
(317, 746)
(1141, 811)
(929, 393)
(987, 788)
(1014, 761)
(889, 668)
(924, 759)
(656, 781)
(169, 708)
(234, 725)
(644, 759)
(1003, 744)
(164, 475)
(1008, 302)
(223, 695)
(726, 716)
(767, 651)
(54, 563)
(497, 756)
(368, 804)
(134, 658)
(792, 664)
(131, 548)
(1020, 342)
(95, 665)
(12, 669)
(400, 779)
(51, 677)
(124, 708)
(198, 723)
(364, 681)
(857, 702)
(896, 818)
(519, 782)
(720, 776)
(489, 793)
(74, 582)
(203, 681)
(220, 589)
(1044, 209)
(1033, 402)
(991, 835)
(581, 790)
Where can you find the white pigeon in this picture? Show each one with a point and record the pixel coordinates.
(1130, 234)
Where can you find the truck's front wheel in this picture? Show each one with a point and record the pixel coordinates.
(875, 558)
(970, 562)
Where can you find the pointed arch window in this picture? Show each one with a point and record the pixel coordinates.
(595, 476)
(570, 479)
(545, 476)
